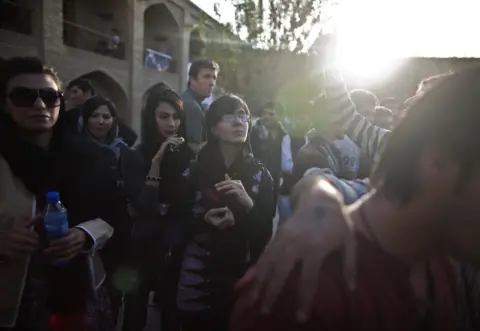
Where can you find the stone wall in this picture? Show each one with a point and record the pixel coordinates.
(125, 81)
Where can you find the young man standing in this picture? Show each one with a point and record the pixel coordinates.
(202, 79)
(422, 210)
(266, 140)
(78, 92)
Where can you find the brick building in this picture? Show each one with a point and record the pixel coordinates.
(154, 43)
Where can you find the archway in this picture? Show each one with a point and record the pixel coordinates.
(161, 37)
(107, 87)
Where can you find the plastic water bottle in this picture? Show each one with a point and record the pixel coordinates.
(55, 217)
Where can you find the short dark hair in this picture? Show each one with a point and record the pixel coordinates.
(198, 65)
(279, 109)
(18, 65)
(380, 110)
(226, 104)
(363, 98)
(160, 93)
(447, 114)
(83, 84)
(96, 101)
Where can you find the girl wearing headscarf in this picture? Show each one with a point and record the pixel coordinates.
(232, 217)
(37, 156)
(100, 124)
(160, 238)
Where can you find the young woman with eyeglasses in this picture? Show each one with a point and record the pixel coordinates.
(37, 155)
(232, 218)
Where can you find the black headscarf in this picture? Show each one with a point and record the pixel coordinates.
(113, 141)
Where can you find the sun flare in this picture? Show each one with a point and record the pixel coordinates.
(374, 34)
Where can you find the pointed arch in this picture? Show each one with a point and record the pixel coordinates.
(108, 87)
(162, 32)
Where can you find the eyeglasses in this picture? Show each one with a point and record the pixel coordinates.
(232, 117)
(26, 97)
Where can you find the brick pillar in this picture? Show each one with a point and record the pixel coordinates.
(50, 29)
(135, 61)
(184, 52)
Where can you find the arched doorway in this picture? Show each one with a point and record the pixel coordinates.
(107, 87)
(161, 36)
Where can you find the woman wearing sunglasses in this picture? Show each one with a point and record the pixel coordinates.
(232, 219)
(38, 156)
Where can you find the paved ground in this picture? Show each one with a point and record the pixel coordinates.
(153, 321)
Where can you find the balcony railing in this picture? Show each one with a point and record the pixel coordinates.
(85, 38)
(158, 60)
(16, 18)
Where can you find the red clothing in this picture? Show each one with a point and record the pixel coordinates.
(383, 299)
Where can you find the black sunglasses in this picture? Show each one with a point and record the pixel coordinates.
(26, 97)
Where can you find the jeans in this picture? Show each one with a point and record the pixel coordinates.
(284, 209)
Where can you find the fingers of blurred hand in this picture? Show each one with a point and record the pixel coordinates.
(226, 184)
(349, 260)
(24, 237)
(30, 221)
(175, 141)
(67, 254)
(311, 266)
(216, 211)
(19, 250)
(75, 238)
(269, 278)
(277, 277)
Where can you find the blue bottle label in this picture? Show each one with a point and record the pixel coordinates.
(56, 224)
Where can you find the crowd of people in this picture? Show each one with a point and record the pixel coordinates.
(187, 212)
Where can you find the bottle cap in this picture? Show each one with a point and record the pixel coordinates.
(53, 196)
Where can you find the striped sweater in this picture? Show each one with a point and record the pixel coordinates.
(342, 112)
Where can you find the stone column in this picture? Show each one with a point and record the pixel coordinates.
(185, 31)
(50, 30)
(135, 62)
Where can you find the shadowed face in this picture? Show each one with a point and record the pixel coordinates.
(33, 101)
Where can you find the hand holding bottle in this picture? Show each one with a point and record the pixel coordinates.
(170, 141)
(66, 248)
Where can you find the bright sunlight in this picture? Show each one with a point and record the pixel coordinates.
(374, 34)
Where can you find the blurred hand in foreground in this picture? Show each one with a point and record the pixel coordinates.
(317, 228)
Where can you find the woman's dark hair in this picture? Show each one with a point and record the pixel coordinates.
(448, 114)
(226, 104)
(16, 66)
(92, 104)
(160, 93)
